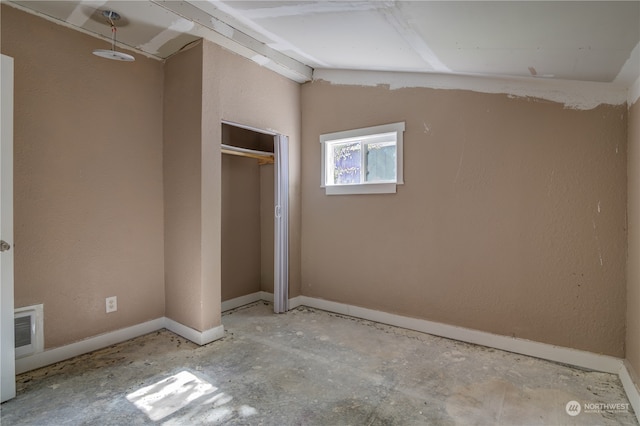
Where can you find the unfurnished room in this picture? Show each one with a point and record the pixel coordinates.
(320, 212)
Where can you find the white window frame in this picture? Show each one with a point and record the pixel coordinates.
(354, 135)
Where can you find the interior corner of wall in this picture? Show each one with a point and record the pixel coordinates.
(632, 373)
(631, 384)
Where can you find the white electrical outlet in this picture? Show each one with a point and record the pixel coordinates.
(112, 304)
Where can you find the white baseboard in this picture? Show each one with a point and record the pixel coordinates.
(51, 356)
(199, 337)
(294, 302)
(578, 358)
(561, 354)
(227, 305)
(631, 384)
(255, 297)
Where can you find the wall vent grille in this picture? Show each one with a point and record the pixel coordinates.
(28, 330)
(24, 330)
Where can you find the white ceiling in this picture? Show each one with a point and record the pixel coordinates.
(597, 41)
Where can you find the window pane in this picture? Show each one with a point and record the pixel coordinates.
(381, 162)
(346, 163)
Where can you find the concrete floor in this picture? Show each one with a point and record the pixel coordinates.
(309, 367)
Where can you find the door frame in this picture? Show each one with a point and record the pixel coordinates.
(281, 215)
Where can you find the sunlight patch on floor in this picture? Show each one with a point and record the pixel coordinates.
(169, 395)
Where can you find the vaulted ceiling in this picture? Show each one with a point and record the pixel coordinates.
(597, 41)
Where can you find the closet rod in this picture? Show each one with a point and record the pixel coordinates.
(264, 156)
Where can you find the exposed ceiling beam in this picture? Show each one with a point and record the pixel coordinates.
(239, 42)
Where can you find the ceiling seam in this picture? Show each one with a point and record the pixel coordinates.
(411, 37)
(81, 30)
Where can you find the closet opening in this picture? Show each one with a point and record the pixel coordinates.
(254, 244)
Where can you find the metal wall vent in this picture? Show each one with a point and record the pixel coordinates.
(28, 330)
(25, 330)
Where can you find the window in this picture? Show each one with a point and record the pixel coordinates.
(362, 161)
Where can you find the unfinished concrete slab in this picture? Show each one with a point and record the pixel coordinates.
(311, 367)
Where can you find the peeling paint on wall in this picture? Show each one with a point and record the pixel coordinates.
(634, 93)
(595, 235)
(578, 95)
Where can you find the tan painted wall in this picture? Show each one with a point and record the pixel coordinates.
(182, 186)
(633, 265)
(267, 205)
(241, 234)
(89, 201)
(240, 91)
(508, 208)
(247, 216)
(221, 86)
(88, 181)
(238, 198)
(241, 245)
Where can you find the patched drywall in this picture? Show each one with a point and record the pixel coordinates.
(581, 95)
(633, 264)
(87, 182)
(511, 219)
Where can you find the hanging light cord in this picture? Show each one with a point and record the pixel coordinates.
(111, 17)
(113, 37)
(113, 31)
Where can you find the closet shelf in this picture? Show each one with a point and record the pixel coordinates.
(263, 157)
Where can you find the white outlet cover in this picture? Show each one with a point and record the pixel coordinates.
(112, 304)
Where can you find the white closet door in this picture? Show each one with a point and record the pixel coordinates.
(7, 343)
(281, 240)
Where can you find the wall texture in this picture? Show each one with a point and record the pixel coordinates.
(241, 245)
(633, 265)
(182, 186)
(267, 197)
(241, 221)
(88, 181)
(118, 176)
(203, 86)
(239, 193)
(240, 91)
(511, 219)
